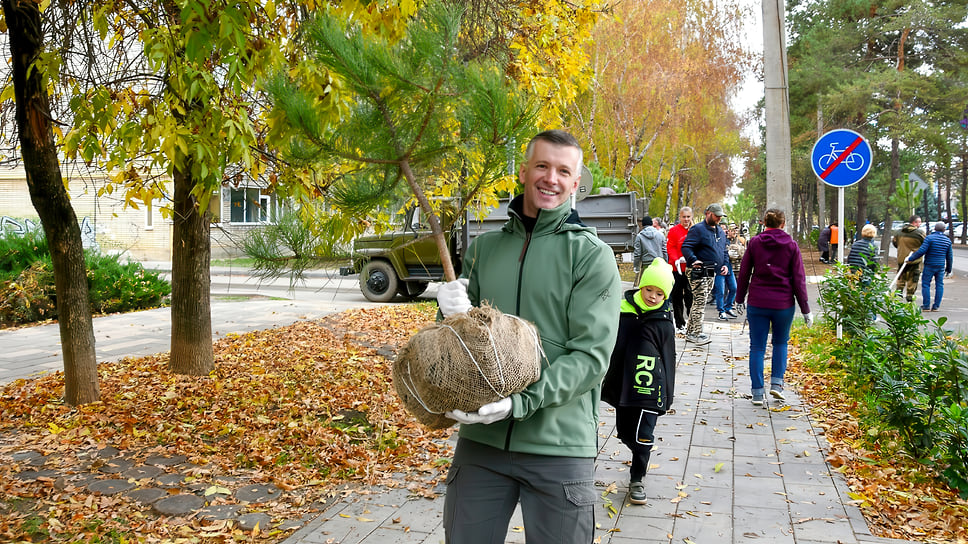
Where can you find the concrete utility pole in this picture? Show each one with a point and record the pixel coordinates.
(779, 192)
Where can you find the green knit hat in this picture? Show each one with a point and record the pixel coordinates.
(658, 274)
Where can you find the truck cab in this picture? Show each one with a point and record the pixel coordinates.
(402, 262)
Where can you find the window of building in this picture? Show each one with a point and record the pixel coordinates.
(250, 205)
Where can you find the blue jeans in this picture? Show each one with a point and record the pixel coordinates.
(936, 272)
(761, 321)
(724, 301)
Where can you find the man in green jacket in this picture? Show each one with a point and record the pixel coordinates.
(537, 446)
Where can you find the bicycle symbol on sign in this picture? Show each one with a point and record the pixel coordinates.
(854, 161)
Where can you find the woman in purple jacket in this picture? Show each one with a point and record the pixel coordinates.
(772, 273)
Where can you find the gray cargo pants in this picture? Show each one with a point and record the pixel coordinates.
(484, 485)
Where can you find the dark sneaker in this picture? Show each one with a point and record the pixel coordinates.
(777, 392)
(757, 399)
(637, 493)
(730, 314)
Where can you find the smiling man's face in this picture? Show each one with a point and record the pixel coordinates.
(550, 176)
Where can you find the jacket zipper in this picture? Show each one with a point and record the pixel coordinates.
(517, 311)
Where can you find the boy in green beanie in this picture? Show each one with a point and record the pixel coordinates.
(642, 371)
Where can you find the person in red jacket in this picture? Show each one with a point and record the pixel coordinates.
(681, 297)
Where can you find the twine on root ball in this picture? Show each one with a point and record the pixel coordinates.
(464, 362)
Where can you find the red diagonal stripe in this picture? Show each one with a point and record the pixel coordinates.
(841, 158)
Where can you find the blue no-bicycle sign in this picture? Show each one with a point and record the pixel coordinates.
(841, 158)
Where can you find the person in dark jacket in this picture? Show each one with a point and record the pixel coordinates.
(705, 252)
(863, 254)
(641, 375)
(823, 244)
(772, 273)
(938, 260)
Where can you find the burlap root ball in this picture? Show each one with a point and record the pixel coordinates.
(464, 362)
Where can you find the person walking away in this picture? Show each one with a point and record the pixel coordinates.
(823, 244)
(705, 252)
(538, 446)
(772, 277)
(649, 244)
(641, 377)
(938, 260)
(681, 292)
(863, 254)
(907, 241)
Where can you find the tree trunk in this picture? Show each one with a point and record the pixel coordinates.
(964, 195)
(191, 305)
(821, 186)
(52, 202)
(892, 187)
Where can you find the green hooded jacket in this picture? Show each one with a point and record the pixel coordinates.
(563, 279)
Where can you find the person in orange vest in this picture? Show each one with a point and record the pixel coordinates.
(834, 241)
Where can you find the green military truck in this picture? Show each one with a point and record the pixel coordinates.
(405, 261)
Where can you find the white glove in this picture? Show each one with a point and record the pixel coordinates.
(487, 414)
(808, 318)
(452, 297)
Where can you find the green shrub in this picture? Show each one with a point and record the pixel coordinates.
(19, 252)
(28, 295)
(912, 373)
(118, 287)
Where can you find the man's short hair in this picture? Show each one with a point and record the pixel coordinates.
(940, 226)
(914, 218)
(868, 231)
(556, 137)
(646, 221)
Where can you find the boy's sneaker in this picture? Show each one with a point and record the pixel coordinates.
(698, 339)
(730, 314)
(757, 399)
(777, 392)
(637, 493)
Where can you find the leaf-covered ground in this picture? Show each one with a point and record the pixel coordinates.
(899, 497)
(308, 408)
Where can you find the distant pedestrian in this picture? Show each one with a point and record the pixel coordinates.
(649, 244)
(641, 376)
(938, 260)
(772, 276)
(705, 253)
(681, 293)
(907, 241)
(823, 244)
(863, 254)
(834, 241)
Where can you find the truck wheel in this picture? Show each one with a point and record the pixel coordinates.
(412, 289)
(378, 281)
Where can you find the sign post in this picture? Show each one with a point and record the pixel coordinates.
(841, 158)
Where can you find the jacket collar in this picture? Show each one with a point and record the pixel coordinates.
(548, 220)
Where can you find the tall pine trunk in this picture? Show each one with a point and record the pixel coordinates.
(191, 305)
(52, 202)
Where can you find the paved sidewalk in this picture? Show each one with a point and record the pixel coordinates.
(724, 471)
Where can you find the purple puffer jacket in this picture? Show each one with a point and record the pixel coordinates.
(772, 273)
